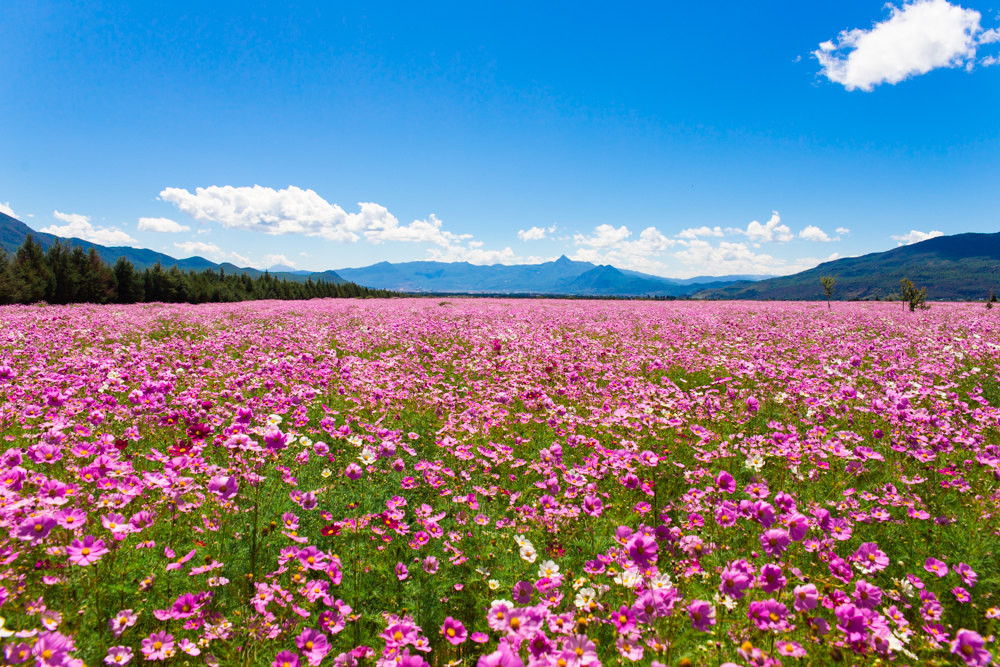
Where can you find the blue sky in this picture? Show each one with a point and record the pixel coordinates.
(678, 140)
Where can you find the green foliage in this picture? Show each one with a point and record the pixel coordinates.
(828, 283)
(912, 296)
(67, 274)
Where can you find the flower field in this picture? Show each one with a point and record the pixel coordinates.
(491, 482)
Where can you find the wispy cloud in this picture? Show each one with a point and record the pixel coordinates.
(5, 208)
(916, 38)
(161, 225)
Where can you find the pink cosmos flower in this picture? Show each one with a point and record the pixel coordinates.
(313, 644)
(454, 631)
(806, 597)
(286, 659)
(158, 646)
(86, 551)
(934, 566)
(702, 615)
(870, 558)
(126, 618)
(118, 655)
(968, 645)
(642, 550)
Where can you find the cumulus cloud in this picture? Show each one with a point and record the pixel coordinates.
(843, 231)
(610, 245)
(78, 226)
(695, 232)
(273, 260)
(604, 236)
(728, 257)
(163, 225)
(814, 233)
(768, 232)
(293, 210)
(914, 236)
(5, 208)
(916, 38)
(535, 233)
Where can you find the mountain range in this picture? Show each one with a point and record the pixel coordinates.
(957, 267)
(962, 266)
(560, 277)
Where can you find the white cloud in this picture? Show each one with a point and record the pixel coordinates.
(297, 211)
(814, 233)
(164, 225)
(605, 236)
(916, 38)
(915, 236)
(727, 258)
(843, 231)
(609, 245)
(200, 248)
(695, 232)
(5, 208)
(770, 231)
(78, 226)
(532, 234)
(272, 260)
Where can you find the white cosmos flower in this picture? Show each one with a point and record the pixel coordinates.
(273, 419)
(548, 569)
(528, 553)
(584, 596)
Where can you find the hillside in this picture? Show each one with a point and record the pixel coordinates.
(963, 266)
(13, 232)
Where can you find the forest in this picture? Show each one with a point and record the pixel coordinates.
(64, 274)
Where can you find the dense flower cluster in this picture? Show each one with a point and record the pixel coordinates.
(515, 483)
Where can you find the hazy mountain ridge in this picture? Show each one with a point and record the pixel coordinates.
(962, 266)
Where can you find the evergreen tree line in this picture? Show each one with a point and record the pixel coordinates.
(66, 274)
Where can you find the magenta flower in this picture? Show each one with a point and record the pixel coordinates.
(453, 631)
(968, 645)
(286, 659)
(224, 486)
(771, 578)
(725, 482)
(735, 582)
(313, 644)
(401, 572)
(702, 615)
(118, 655)
(51, 648)
(642, 550)
(934, 566)
(36, 528)
(86, 551)
(969, 576)
(866, 596)
(769, 614)
(775, 541)
(503, 657)
(353, 471)
(158, 646)
(870, 558)
(806, 597)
